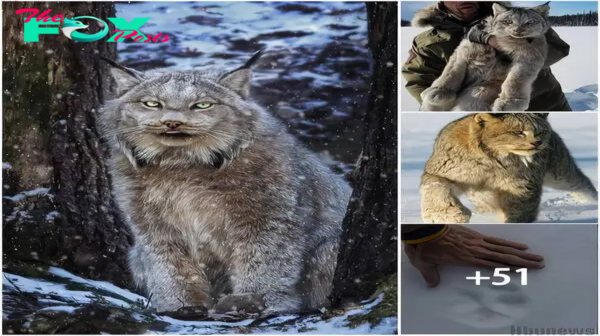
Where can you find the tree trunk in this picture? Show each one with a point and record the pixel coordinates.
(52, 89)
(368, 250)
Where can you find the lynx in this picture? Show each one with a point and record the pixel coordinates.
(228, 210)
(501, 161)
(479, 77)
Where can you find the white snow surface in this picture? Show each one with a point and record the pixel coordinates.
(21, 196)
(69, 300)
(561, 295)
(578, 130)
(577, 73)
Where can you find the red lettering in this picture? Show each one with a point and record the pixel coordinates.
(25, 10)
(165, 39)
(148, 38)
(138, 38)
(134, 33)
(43, 16)
(155, 39)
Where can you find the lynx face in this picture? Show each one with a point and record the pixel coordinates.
(519, 22)
(181, 109)
(522, 134)
(181, 117)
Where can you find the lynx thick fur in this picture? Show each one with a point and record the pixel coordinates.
(480, 78)
(501, 161)
(227, 209)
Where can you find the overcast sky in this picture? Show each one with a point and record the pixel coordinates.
(408, 8)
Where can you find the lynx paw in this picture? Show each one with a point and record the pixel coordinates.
(484, 208)
(437, 96)
(510, 104)
(242, 303)
(455, 213)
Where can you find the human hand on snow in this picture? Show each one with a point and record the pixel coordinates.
(462, 246)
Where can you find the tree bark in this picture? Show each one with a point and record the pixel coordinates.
(52, 89)
(368, 248)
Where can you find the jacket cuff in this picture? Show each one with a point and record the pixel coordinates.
(424, 234)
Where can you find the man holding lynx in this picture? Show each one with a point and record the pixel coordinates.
(450, 22)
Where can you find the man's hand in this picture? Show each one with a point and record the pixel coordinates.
(462, 246)
(477, 35)
(494, 43)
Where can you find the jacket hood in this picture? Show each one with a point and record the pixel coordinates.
(434, 15)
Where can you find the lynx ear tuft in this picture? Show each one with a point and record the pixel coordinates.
(542, 9)
(498, 8)
(239, 79)
(124, 77)
(483, 118)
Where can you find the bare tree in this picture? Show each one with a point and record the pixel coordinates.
(368, 251)
(51, 90)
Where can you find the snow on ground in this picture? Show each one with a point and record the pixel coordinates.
(561, 295)
(577, 73)
(579, 131)
(65, 292)
(21, 196)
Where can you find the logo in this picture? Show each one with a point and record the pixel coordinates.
(74, 28)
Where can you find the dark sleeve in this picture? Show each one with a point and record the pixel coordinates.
(419, 234)
(423, 66)
(557, 48)
(405, 228)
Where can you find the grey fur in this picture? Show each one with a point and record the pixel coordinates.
(479, 78)
(238, 214)
(500, 172)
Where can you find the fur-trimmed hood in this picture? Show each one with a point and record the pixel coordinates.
(434, 15)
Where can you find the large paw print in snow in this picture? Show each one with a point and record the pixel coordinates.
(485, 306)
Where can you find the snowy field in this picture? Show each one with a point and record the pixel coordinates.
(60, 298)
(579, 131)
(561, 295)
(577, 73)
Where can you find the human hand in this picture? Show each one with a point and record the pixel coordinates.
(462, 246)
(494, 43)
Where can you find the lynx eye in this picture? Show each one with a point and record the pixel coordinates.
(203, 106)
(517, 133)
(152, 104)
(531, 22)
(507, 22)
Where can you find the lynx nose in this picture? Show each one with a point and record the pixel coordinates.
(172, 123)
(537, 143)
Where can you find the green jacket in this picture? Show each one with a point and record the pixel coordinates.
(432, 49)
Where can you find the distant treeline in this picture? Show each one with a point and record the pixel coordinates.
(572, 20)
(583, 19)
